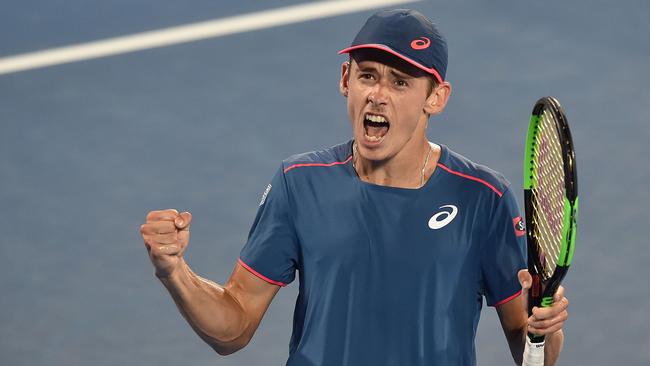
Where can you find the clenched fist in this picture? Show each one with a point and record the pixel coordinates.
(166, 234)
(547, 320)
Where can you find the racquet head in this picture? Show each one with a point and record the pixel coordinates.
(551, 199)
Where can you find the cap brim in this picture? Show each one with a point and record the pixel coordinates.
(382, 47)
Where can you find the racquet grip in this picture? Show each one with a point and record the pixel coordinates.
(533, 354)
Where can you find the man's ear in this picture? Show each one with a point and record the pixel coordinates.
(345, 78)
(438, 98)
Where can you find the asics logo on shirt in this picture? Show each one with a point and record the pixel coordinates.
(442, 218)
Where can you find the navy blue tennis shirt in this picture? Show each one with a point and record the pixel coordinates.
(388, 276)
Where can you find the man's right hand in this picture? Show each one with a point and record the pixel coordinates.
(225, 317)
(166, 234)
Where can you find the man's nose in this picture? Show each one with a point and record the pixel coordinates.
(378, 95)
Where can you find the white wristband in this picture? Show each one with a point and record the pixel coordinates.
(533, 354)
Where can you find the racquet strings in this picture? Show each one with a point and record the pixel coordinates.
(548, 193)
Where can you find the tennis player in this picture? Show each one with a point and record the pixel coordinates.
(396, 240)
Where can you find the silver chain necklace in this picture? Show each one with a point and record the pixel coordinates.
(355, 153)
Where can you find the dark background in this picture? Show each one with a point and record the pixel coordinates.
(88, 148)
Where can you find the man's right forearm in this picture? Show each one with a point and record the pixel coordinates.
(214, 313)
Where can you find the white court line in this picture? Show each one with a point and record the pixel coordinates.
(188, 33)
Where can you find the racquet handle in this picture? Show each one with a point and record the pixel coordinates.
(533, 354)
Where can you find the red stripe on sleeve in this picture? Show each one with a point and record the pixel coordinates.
(507, 299)
(251, 270)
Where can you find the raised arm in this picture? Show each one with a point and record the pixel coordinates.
(225, 317)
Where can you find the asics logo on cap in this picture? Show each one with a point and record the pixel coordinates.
(442, 218)
(421, 44)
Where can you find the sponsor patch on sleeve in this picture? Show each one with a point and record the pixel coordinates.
(266, 193)
(520, 228)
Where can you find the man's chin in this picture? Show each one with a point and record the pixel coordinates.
(376, 151)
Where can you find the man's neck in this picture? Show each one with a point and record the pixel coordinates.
(410, 168)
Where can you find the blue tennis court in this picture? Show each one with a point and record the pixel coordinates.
(88, 148)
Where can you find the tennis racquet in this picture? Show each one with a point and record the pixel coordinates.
(551, 205)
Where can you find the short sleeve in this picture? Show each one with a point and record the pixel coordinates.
(271, 251)
(504, 251)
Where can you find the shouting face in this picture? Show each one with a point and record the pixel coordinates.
(389, 103)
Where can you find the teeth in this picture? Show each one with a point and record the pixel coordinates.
(374, 118)
(373, 138)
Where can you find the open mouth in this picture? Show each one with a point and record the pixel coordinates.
(375, 126)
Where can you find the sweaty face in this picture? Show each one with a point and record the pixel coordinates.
(386, 101)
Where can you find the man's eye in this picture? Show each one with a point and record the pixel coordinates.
(401, 83)
(367, 76)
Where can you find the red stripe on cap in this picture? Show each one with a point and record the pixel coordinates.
(508, 299)
(390, 50)
(251, 270)
(318, 164)
(498, 192)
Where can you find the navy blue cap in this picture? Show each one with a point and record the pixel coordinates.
(408, 35)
